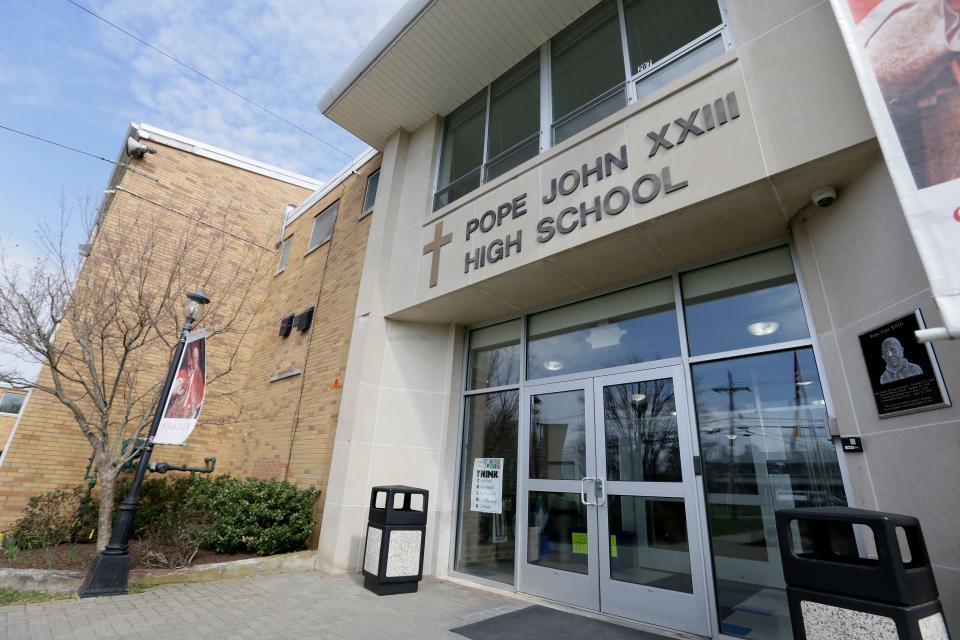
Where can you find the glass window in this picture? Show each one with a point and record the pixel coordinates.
(626, 327)
(657, 28)
(486, 540)
(749, 302)
(687, 62)
(640, 427)
(765, 446)
(558, 436)
(370, 195)
(495, 355)
(648, 542)
(557, 531)
(284, 254)
(323, 226)
(462, 152)
(587, 63)
(11, 402)
(514, 134)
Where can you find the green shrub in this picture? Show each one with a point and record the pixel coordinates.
(224, 514)
(262, 516)
(48, 519)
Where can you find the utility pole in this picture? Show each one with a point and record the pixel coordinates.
(731, 391)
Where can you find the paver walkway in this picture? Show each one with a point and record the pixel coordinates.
(291, 606)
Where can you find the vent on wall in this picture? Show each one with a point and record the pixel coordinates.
(303, 321)
(286, 326)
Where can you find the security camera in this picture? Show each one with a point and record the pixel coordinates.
(823, 196)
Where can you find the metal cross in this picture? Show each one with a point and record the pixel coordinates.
(439, 240)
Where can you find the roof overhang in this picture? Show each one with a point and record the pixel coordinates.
(433, 55)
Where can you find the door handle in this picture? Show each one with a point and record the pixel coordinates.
(600, 492)
(583, 491)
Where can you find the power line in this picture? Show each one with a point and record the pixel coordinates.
(206, 77)
(75, 150)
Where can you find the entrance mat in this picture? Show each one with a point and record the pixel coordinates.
(543, 622)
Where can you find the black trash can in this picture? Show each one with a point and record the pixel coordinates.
(836, 592)
(393, 552)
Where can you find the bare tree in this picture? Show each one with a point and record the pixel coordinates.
(103, 327)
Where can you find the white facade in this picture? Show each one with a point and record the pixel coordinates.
(795, 121)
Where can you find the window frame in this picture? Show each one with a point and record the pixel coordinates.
(367, 210)
(685, 360)
(286, 248)
(316, 219)
(23, 401)
(548, 125)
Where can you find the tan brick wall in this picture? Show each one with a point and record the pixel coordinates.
(238, 426)
(289, 424)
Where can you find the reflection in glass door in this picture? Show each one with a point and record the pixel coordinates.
(557, 470)
(651, 566)
(608, 500)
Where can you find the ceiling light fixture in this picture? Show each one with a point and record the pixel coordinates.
(553, 365)
(638, 397)
(804, 383)
(763, 328)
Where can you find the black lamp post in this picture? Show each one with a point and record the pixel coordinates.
(108, 575)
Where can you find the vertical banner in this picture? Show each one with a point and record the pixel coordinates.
(182, 407)
(906, 54)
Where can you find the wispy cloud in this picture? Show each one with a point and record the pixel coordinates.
(279, 53)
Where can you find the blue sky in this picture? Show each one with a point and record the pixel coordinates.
(66, 76)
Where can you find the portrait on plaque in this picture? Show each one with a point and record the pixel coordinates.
(903, 373)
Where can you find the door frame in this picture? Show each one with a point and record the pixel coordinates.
(617, 596)
(587, 591)
(570, 588)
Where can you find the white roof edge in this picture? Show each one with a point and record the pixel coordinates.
(335, 181)
(409, 13)
(170, 139)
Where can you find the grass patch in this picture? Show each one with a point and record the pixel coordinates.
(139, 587)
(11, 596)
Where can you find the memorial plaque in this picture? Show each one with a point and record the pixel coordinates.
(903, 373)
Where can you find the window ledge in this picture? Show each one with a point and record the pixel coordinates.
(4, 413)
(309, 251)
(288, 373)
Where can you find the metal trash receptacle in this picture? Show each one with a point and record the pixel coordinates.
(836, 592)
(396, 528)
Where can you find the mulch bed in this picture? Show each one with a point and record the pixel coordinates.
(78, 557)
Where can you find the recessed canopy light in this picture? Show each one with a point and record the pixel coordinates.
(731, 436)
(819, 403)
(673, 413)
(638, 397)
(804, 383)
(553, 365)
(763, 328)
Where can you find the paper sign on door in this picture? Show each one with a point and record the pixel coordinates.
(486, 495)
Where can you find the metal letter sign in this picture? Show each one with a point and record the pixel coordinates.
(182, 407)
(907, 57)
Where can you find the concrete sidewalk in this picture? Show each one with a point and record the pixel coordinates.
(290, 606)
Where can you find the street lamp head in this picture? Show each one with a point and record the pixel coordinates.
(194, 300)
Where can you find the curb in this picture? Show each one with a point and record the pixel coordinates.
(49, 581)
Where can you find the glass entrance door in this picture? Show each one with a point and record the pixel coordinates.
(650, 544)
(608, 502)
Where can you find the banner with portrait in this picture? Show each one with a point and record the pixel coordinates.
(182, 407)
(906, 54)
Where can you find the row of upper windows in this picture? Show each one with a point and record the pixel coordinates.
(617, 51)
(324, 222)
